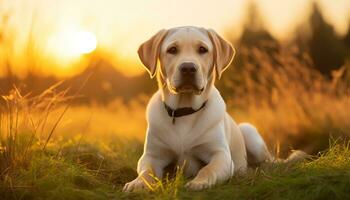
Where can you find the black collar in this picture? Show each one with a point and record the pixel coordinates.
(181, 111)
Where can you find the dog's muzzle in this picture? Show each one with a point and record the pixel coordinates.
(188, 84)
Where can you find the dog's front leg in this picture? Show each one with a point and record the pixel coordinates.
(219, 169)
(148, 169)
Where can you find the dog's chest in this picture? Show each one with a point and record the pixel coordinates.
(183, 143)
(182, 136)
(183, 139)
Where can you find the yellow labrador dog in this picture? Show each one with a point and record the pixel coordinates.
(187, 120)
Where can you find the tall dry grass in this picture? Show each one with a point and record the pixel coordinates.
(291, 103)
(42, 144)
(25, 127)
(32, 126)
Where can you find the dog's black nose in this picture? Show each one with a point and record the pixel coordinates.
(188, 68)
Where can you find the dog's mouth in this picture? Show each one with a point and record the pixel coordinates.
(187, 89)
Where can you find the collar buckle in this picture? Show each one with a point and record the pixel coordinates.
(173, 116)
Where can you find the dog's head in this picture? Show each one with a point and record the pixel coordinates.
(188, 56)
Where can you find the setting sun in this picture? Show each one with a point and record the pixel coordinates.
(72, 44)
(84, 42)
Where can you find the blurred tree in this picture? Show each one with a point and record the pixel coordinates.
(347, 40)
(327, 50)
(254, 31)
(255, 38)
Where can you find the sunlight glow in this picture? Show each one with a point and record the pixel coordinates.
(62, 31)
(84, 42)
(72, 44)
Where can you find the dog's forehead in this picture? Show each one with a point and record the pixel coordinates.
(187, 33)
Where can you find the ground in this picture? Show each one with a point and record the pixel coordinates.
(77, 170)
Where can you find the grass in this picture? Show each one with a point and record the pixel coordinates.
(38, 163)
(97, 173)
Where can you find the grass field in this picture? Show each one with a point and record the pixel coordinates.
(51, 148)
(92, 171)
(43, 158)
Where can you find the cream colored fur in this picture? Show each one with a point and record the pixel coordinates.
(209, 144)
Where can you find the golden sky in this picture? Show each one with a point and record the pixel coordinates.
(119, 26)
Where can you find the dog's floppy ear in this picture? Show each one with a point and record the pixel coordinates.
(223, 52)
(149, 51)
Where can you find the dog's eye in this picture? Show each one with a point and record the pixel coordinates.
(172, 50)
(202, 50)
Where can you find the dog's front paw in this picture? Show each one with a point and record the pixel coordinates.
(135, 185)
(196, 185)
